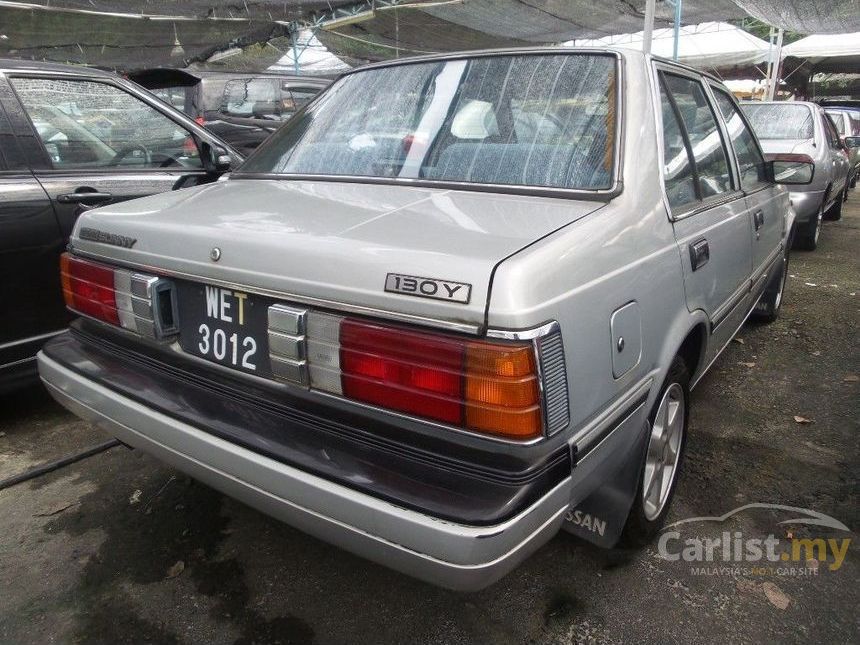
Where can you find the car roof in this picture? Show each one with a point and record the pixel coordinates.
(842, 109)
(478, 53)
(806, 103)
(846, 104)
(292, 78)
(15, 65)
(622, 52)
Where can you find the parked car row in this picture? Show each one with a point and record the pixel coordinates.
(441, 314)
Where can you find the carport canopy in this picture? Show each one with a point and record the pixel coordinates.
(135, 34)
(710, 45)
(836, 53)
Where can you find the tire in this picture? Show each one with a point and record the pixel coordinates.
(649, 512)
(806, 235)
(767, 309)
(834, 213)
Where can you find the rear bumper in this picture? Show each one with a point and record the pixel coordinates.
(18, 374)
(806, 205)
(444, 553)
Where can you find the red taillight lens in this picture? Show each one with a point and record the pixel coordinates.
(406, 371)
(483, 386)
(88, 288)
(787, 156)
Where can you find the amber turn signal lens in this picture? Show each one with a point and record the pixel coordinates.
(502, 393)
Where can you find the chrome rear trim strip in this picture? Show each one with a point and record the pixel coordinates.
(524, 334)
(586, 436)
(463, 328)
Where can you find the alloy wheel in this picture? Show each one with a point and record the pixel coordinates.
(664, 451)
(782, 279)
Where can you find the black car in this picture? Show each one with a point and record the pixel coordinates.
(241, 108)
(72, 138)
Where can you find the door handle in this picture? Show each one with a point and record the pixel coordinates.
(700, 253)
(758, 219)
(88, 198)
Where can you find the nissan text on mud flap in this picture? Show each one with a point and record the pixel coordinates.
(454, 306)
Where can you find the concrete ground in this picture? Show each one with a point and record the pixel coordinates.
(119, 548)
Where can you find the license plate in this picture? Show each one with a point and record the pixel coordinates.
(225, 326)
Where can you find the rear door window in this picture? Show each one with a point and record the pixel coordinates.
(695, 161)
(831, 133)
(751, 164)
(838, 120)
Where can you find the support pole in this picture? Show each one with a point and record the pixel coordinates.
(294, 37)
(677, 32)
(649, 25)
(777, 65)
(769, 64)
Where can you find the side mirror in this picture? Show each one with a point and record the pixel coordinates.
(852, 142)
(223, 161)
(215, 158)
(792, 169)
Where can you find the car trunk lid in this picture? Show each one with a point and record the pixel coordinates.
(330, 243)
(788, 146)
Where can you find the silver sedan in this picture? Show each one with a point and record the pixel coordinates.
(801, 132)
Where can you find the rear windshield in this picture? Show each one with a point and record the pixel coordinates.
(264, 98)
(529, 120)
(177, 96)
(783, 121)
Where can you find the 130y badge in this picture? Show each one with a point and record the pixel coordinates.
(413, 285)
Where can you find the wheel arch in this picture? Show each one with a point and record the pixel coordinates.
(688, 337)
(693, 347)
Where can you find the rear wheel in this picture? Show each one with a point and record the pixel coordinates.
(834, 213)
(662, 459)
(806, 236)
(767, 309)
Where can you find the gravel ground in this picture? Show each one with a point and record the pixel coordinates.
(119, 548)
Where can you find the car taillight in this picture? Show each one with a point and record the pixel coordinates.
(88, 288)
(789, 156)
(484, 386)
(409, 371)
(137, 302)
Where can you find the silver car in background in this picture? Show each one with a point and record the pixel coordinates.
(800, 132)
(454, 306)
(847, 123)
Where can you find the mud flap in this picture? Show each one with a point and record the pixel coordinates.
(601, 516)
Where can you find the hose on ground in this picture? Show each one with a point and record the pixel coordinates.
(51, 466)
